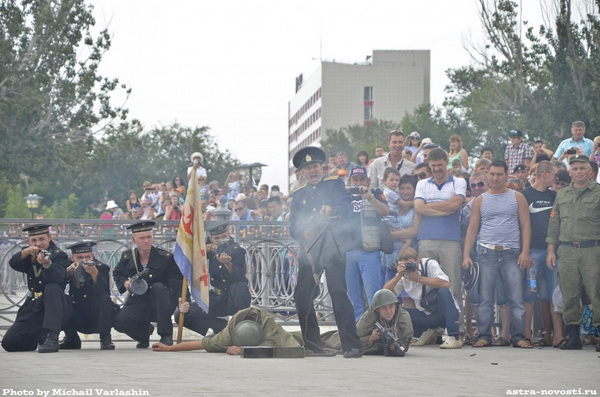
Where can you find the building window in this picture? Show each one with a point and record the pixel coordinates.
(368, 94)
(368, 113)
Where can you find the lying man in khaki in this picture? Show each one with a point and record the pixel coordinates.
(389, 314)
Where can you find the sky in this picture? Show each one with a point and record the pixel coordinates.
(231, 65)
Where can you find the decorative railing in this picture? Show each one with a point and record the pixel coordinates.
(271, 259)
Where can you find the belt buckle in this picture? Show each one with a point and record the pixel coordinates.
(36, 295)
(498, 248)
(576, 245)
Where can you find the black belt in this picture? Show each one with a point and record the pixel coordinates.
(582, 244)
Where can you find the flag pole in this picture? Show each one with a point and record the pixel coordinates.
(184, 288)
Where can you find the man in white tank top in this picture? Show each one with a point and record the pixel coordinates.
(500, 223)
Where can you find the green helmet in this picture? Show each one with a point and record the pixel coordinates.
(247, 333)
(383, 297)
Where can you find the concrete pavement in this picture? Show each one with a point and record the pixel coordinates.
(424, 371)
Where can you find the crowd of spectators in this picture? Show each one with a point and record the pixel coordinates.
(164, 200)
(429, 188)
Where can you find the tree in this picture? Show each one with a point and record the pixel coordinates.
(16, 206)
(537, 81)
(128, 155)
(51, 95)
(357, 137)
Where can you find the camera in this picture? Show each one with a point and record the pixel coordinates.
(410, 267)
(571, 151)
(354, 190)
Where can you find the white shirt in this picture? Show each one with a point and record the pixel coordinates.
(415, 289)
(378, 166)
(200, 171)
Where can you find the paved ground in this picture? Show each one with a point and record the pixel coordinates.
(424, 371)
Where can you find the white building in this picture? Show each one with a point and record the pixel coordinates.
(389, 84)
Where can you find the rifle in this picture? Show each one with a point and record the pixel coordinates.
(390, 339)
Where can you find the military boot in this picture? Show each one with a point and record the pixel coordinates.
(51, 343)
(70, 341)
(573, 341)
(106, 342)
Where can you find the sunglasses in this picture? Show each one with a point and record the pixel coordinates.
(478, 184)
(422, 175)
(239, 209)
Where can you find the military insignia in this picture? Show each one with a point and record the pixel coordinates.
(552, 213)
(308, 158)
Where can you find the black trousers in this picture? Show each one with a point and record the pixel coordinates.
(237, 298)
(35, 318)
(304, 295)
(95, 315)
(134, 318)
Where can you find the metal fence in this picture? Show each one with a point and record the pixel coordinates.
(271, 260)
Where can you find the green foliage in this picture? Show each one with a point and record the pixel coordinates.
(128, 155)
(56, 112)
(537, 81)
(16, 206)
(62, 209)
(357, 137)
(51, 95)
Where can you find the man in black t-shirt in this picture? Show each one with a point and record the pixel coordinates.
(541, 199)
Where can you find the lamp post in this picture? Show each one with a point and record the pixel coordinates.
(33, 201)
(252, 171)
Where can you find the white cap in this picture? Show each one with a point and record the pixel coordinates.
(111, 204)
(425, 141)
(196, 154)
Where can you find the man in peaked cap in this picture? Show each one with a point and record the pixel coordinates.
(319, 221)
(575, 230)
(89, 289)
(40, 319)
(229, 286)
(158, 302)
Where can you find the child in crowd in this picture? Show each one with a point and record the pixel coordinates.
(391, 181)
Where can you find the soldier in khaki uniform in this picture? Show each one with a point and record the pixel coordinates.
(575, 229)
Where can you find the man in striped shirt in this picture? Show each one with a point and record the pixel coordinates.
(500, 223)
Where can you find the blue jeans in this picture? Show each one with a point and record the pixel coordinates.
(362, 273)
(446, 316)
(502, 266)
(546, 278)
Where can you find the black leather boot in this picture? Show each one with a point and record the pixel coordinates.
(573, 341)
(51, 343)
(70, 341)
(106, 342)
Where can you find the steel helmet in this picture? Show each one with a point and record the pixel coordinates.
(247, 333)
(383, 297)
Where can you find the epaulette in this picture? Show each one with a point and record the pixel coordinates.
(299, 187)
(163, 252)
(331, 178)
(127, 254)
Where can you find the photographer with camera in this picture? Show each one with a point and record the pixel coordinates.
(577, 144)
(428, 286)
(46, 308)
(173, 210)
(89, 290)
(363, 263)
